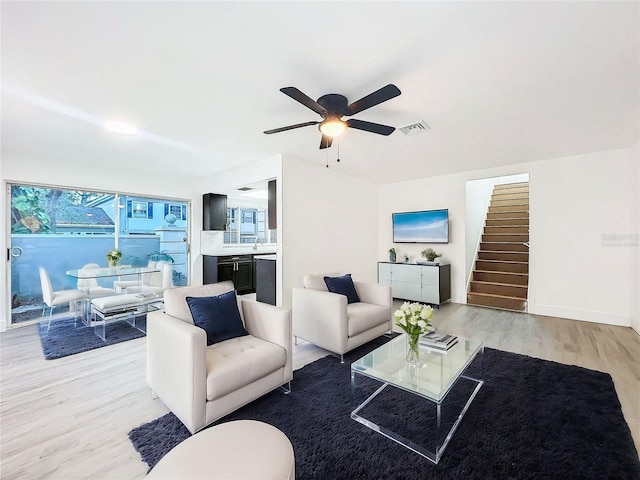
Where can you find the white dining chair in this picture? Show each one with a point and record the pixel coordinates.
(53, 298)
(90, 285)
(156, 283)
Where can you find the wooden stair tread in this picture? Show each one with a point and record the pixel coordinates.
(498, 284)
(504, 219)
(502, 273)
(493, 260)
(522, 229)
(502, 251)
(491, 237)
(510, 225)
(493, 295)
(501, 186)
(507, 243)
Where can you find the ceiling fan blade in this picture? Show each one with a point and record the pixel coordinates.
(373, 99)
(298, 96)
(325, 142)
(290, 127)
(370, 127)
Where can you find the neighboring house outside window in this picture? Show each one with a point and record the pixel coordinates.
(246, 225)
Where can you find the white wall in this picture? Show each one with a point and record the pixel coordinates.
(329, 221)
(574, 202)
(634, 284)
(426, 194)
(29, 169)
(329, 224)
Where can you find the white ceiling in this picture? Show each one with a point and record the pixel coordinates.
(498, 82)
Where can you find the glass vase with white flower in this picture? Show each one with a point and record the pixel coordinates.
(414, 319)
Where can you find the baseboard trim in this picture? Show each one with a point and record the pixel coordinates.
(592, 316)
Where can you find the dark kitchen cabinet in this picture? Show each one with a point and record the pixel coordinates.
(214, 211)
(237, 268)
(272, 205)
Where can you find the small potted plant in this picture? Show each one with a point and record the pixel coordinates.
(160, 257)
(113, 257)
(430, 254)
(392, 255)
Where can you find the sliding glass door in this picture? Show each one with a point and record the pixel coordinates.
(63, 229)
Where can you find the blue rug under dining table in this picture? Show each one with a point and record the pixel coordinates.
(64, 338)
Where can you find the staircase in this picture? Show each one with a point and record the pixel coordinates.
(501, 275)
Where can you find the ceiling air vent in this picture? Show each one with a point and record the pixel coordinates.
(245, 189)
(416, 128)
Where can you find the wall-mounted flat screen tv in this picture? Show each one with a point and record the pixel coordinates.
(428, 226)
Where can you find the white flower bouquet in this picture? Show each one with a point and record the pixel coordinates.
(414, 319)
(113, 257)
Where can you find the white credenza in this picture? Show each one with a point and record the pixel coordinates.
(417, 283)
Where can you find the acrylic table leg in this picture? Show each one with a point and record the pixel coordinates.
(438, 429)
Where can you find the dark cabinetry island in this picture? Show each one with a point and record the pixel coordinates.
(266, 278)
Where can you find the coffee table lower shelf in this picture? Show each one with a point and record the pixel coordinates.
(434, 456)
(418, 406)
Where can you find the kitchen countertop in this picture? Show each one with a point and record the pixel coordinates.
(238, 251)
(265, 257)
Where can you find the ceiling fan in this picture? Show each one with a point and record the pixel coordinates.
(332, 107)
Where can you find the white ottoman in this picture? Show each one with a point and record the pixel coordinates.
(244, 449)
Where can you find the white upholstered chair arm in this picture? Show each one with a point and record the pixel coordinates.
(321, 316)
(176, 366)
(374, 293)
(272, 324)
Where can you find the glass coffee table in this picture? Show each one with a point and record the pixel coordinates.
(420, 406)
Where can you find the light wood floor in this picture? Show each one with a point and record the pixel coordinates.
(69, 418)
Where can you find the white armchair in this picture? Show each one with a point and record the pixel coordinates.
(201, 383)
(328, 321)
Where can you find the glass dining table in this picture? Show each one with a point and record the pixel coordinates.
(98, 309)
(105, 272)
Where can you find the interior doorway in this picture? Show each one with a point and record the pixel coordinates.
(497, 242)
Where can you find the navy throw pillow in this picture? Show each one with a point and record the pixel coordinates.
(344, 286)
(218, 316)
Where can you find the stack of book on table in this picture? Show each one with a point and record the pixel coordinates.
(439, 342)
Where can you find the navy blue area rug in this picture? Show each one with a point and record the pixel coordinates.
(64, 339)
(532, 419)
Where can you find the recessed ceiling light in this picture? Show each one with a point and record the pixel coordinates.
(120, 127)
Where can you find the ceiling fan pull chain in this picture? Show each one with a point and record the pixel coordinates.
(327, 158)
(338, 160)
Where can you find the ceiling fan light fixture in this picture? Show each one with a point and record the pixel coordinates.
(333, 127)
